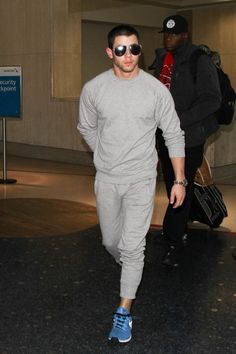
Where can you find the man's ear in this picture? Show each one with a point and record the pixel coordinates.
(109, 53)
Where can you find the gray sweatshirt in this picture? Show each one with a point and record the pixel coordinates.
(118, 120)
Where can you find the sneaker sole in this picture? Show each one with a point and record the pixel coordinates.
(120, 340)
(124, 340)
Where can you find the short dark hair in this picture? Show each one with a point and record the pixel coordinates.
(121, 30)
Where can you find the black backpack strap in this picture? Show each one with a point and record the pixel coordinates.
(193, 61)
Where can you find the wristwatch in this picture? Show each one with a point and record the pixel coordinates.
(183, 183)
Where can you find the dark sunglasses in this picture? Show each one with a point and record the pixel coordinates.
(134, 49)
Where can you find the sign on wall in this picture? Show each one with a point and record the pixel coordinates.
(10, 91)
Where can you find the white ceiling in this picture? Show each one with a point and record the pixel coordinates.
(181, 4)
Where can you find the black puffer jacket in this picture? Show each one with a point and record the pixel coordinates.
(196, 99)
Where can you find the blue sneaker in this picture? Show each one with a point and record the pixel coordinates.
(122, 326)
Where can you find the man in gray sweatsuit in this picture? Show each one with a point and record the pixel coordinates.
(120, 111)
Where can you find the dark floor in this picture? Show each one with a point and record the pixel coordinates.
(58, 295)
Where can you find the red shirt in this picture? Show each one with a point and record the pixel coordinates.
(166, 71)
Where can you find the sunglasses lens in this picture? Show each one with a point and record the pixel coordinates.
(120, 50)
(135, 49)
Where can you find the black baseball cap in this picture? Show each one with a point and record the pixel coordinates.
(175, 24)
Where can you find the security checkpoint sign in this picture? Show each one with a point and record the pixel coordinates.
(10, 91)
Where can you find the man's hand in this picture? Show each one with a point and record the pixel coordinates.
(177, 195)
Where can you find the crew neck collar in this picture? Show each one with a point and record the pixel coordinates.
(132, 79)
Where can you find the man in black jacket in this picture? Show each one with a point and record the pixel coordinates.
(196, 99)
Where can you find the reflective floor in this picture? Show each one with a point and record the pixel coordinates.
(52, 180)
(59, 286)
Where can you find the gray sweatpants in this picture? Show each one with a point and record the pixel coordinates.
(125, 212)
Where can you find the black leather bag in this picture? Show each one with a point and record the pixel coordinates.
(208, 206)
